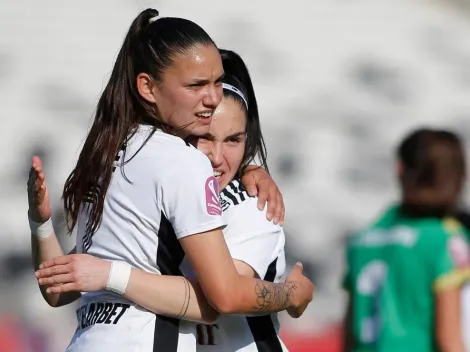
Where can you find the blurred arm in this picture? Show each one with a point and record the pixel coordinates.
(448, 326)
(348, 339)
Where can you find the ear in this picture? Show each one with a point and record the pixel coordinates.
(399, 168)
(145, 87)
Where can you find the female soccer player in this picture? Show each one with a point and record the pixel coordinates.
(162, 202)
(405, 272)
(256, 244)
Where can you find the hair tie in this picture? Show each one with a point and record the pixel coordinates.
(236, 91)
(155, 18)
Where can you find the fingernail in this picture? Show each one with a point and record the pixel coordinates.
(36, 273)
(269, 216)
(299, 264)
(276, 221)
(41, 266)
(40, 281)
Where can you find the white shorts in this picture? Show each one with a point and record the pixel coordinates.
(117, 326)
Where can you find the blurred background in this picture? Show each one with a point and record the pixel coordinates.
(339, 83)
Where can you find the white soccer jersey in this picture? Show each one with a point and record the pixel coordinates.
(253, 239)
(165, 191)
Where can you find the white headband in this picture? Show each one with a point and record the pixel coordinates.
(236, 91)
(153, 19)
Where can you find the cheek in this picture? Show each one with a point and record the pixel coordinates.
(204, 146)
(235, 157)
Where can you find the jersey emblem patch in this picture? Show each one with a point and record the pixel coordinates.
(459, 251)
(212, 197)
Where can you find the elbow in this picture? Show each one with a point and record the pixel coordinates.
(210, 318)
(225, 304)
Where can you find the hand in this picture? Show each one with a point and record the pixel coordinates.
(258, 182)
(303, 294)
(74, 272)
(38, 195)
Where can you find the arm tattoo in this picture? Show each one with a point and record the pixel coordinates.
(187, 299)
(273, 297)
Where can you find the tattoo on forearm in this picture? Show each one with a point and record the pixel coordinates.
(273, 297)
(187, 299)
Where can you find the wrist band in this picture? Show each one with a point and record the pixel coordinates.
(119, 276)
(41, 229)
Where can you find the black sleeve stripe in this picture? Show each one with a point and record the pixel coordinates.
(235, 193)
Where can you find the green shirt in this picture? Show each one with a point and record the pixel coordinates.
(394, 268)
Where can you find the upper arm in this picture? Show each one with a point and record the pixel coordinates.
(448, 325)
(214, 267)
(450, 258)
(190, 195)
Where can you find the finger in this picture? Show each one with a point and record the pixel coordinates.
(250, 185)
(37, 163)
(70, 287)
(62, 260)
(56, 279)
(39, 181)
(279, 211)
(273, 203)
(53, 270)
(281, 222)
(263, 196)
(297, 268)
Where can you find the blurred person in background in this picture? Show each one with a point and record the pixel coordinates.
(405, 272)
(255, 243)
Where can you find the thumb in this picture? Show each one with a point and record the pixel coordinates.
(297, 268)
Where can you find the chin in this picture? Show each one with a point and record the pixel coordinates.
(200, 130)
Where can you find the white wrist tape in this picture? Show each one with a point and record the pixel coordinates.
(119, 276)
(41, 229)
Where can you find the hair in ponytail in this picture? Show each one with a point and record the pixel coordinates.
(237, 75)
(150, 46)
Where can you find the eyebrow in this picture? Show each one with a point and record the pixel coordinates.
(237, 134)
(204, 81)
(210, 136)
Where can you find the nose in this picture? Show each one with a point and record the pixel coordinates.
(216, 155)
(213, 96)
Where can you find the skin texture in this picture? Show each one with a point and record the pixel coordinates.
(190, 86)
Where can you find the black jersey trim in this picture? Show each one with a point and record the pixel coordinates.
(170, 254)
(262, 328)
(235, 193)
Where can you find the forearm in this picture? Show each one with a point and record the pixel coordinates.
(45, 249)
(253, 296)
(173, 296)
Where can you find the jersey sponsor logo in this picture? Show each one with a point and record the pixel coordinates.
(100, 313)
(459, 251)
(212, 197)
(401, 235)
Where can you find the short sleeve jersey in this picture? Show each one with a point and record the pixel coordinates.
(162, 190)
(252, 239)
(394, 269)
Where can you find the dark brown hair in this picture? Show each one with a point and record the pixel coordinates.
(237, 75)
(433, 170)
(149, 47)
